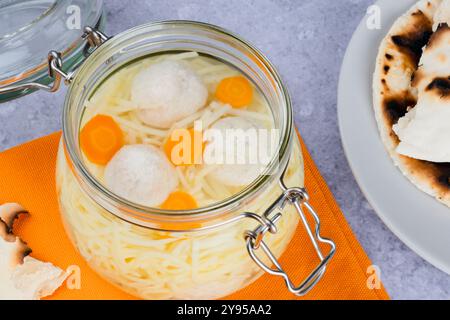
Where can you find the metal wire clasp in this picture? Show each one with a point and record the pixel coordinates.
(298, 197)
(94, 39)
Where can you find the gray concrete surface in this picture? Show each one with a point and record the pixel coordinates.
(306, 40)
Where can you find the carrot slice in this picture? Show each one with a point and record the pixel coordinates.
(100, 139)
(236, 91)
(179, 200)
(182, 140)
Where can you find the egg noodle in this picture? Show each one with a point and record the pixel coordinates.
(153, 264)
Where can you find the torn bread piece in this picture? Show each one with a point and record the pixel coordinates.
(35, 279)
(23, 277)
(424, 132)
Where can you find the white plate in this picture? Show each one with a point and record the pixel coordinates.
(419, 220)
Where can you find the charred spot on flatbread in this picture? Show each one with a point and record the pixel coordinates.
(413, 39)
(444, 176)
(441, 86)
(437, 175)
(396, 106)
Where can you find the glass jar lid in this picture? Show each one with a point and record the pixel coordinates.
(29, 29)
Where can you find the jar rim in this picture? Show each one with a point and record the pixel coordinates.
(108, 198)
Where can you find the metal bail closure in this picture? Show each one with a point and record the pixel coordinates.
(94, 39)
(298, 197)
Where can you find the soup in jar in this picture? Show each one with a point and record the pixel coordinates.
(176, 132)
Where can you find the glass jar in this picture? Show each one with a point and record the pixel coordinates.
(205, 253)
(28, 28)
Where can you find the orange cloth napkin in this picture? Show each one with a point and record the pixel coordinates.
(27, 177)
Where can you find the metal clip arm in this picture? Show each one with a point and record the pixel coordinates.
(254, 239)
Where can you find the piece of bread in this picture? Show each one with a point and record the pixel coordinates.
(393, 94)
(23, 277)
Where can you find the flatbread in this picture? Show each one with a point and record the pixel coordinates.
(393, 93)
